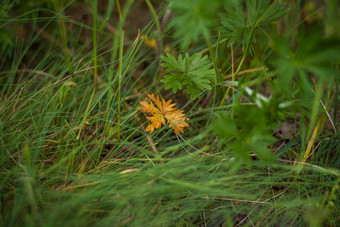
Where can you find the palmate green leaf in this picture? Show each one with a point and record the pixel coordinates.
(262, 12)
(233, 21)
(271, 13)
(194, 73)
(237, 22)
(193, 19)
(315, 54)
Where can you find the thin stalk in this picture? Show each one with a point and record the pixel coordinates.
(212, 56)
(159, 29)
(229, 76)
(111, 72)
(155, 17)
(120, 67)
(122, 17)
(315, 109)
(218, 77)
(312, 139)
(108, 13)
(86, 114)
(63, 34)
(119, 10)
(232, 70)
(241, 63)
(160, 39)
(232, 77)
(94, 30)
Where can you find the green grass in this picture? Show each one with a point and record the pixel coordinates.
(72, 142)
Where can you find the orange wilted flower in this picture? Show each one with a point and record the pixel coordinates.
(163, 112)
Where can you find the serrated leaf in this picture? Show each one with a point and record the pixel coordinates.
(173, 82)
(163, 112)
(248, 130)
(193, 73)
(193, 19)
(315, 55)
(276, 13)
(237, 26)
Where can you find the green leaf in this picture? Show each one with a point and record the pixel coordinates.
(315, 54)
(193, 19)
(263, 152)
(233, 21)
(193, 73)
(249, 130)
(225, 126)
(173, 81)
(275, 13)
(237, 26)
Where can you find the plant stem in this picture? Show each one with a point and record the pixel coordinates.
(241, 63)
(86, 113)
(94, 28)
(212, 56)
(120, 66)
(108, 13)
(155, 17)
(63, 34)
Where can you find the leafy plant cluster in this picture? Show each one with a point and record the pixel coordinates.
(195, 18)
(241, 23)
(237, 19)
